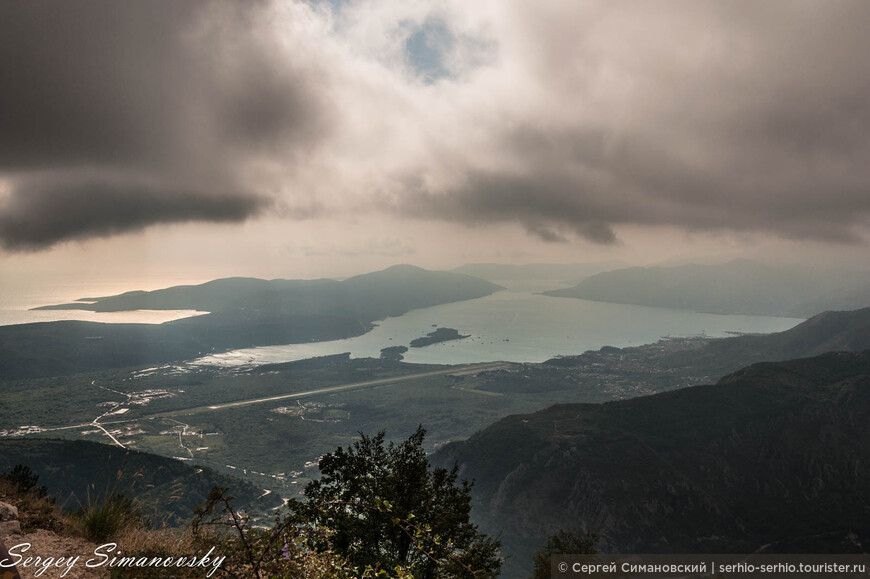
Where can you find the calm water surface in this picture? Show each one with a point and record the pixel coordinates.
(516, 325)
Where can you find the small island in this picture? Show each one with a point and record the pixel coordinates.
(439, 335)
(393, 353)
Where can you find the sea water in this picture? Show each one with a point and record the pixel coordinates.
(516, 325)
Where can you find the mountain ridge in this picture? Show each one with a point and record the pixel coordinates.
(825, 332)
(740, 286)
(568, 272)
(772, 454)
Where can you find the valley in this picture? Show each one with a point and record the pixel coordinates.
(269, 423)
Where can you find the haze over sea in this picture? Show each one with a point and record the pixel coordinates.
(19, 294)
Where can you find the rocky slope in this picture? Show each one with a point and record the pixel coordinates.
(774, 457)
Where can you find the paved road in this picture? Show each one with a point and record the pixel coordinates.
(466, 369)
(458, 370)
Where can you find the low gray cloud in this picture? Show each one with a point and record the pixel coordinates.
(100, 207)
(568, 119)
(184, 94)
(546, 205)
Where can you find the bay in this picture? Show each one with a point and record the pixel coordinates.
(515, 325)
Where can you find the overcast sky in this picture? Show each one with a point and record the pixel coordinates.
(294, 139)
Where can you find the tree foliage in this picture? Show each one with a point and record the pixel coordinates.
(563, 543)
(25, 480)
(388, 510)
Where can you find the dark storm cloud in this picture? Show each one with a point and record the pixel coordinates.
(739, 116)
(174, 91)
(102, 207)
(543, 204)
(584, 117)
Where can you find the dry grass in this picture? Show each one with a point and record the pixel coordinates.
(113, 519)
(35, 511)
(164, 542)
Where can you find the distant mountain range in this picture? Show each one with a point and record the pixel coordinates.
(738, 287)
(773, 458)
(566, 272)
(77, 472)
(244, 313)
